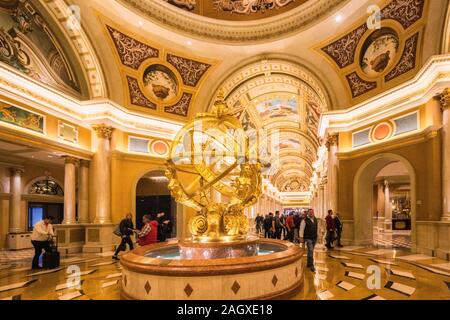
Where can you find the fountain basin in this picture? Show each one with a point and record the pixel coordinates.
(159, 272)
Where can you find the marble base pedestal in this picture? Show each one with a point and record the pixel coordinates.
(71, 238)
(100, 238)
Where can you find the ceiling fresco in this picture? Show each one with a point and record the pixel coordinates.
(373, 60)
(236, 10)
(28, 44)
(282, 108)
(157, 80)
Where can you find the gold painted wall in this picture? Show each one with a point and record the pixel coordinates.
(423, 151)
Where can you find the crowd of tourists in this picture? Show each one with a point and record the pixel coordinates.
(300, 227)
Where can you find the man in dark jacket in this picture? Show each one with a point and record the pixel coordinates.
(268, 221)
(330, 229)
(126, 228)
(308, 235)
(338, 224)
(164, 227)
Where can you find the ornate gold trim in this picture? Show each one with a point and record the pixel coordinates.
(236, 32)
(103, 131)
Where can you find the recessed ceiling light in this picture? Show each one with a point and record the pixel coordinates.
(338, 18)
(189, 42)
(141, 23)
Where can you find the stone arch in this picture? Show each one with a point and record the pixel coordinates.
(362, 194)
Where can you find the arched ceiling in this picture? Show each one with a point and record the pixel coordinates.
(279, 104)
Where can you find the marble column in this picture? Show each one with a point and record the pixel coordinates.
(387, 208)
(445, 104)
(83, 192)
(15, 225)
(332, 146)
(69, 190)
(102, 174)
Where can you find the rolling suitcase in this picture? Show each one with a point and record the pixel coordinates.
(51, 259)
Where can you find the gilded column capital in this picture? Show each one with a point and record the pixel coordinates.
(84, 163)
(103, 131)
(72, 160)
(444, 99)
(332, 140)
(16, 171)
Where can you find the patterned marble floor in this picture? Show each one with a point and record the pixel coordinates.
(341, 275)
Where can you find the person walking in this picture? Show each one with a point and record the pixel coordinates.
(126, 228)
(297, 222)
(259, 223)
(268, 224)
(330, 229)
(290, 225)
(308, 235)
(164, 227)
(338, 224)
(40, 239)
(276, 225)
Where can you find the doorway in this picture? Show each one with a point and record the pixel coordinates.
(153, 196)
(392, 207)
(384, 198)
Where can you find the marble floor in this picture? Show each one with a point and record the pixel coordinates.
(340, 275)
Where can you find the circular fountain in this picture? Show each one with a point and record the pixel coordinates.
(211, 156)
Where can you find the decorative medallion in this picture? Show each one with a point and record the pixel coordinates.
(407, 61)
(359, 86)
(137, 97)
(160, 83)
(379, 51)
(160, 148)
(382, 131)
(181, 108)
(131, 51)
(191, 71)
(342, 51)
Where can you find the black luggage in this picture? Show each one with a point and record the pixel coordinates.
(51, 259)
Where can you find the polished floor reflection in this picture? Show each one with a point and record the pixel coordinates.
(340, 275)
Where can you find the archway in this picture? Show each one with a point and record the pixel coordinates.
(364, 196)
(153, 196)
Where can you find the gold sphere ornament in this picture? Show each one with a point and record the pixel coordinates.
(209, 162)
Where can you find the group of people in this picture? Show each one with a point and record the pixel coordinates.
(156, 228)
(300, 227)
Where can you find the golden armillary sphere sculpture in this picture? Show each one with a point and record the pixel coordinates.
(209, 159)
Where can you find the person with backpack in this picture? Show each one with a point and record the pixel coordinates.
(125, 230)
(268, 226)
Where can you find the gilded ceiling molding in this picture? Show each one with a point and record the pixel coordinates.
(131, 51)
(181, 108)
(407, 61)
(191, 71)
(137, 97)
(248, 31)
(359, 86)
(81, 44)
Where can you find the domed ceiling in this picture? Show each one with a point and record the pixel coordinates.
(235, 20)
(237, 10)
